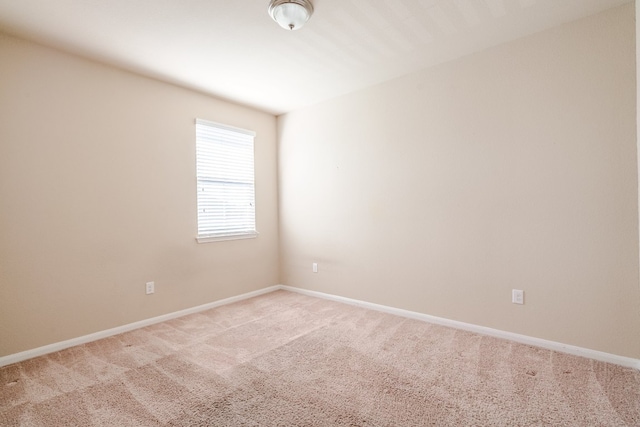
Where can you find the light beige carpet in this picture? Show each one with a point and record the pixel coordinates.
(285, 359)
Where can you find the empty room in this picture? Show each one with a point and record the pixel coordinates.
(319, 213)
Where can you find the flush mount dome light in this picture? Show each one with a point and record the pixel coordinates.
(291, 14)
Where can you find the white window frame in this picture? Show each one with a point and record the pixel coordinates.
(225, 175)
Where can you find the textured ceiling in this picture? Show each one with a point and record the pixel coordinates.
(232, 49)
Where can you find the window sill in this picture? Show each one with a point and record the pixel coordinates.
(225, 237)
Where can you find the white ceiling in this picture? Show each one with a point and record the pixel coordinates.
(232, 49)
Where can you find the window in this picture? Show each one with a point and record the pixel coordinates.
(226, 195)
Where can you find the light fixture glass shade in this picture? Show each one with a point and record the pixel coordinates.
(290, 14)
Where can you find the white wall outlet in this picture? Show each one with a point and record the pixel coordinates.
(517, 296)
(314, 266)
(151, 287)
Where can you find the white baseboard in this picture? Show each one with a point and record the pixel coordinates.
(52, 348)
(523, 339)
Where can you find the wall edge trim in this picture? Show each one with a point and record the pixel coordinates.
(627, 362)
(600, 356)
(52, 348)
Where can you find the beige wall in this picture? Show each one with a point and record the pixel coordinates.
(438, 192)
(441, 191)
(97, 193)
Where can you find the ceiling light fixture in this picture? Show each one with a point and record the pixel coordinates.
(291, 14)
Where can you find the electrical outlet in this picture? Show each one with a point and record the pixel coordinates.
(151, 287)
(314, 266)
(517, 296)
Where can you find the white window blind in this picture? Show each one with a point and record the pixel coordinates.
(225, 173)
